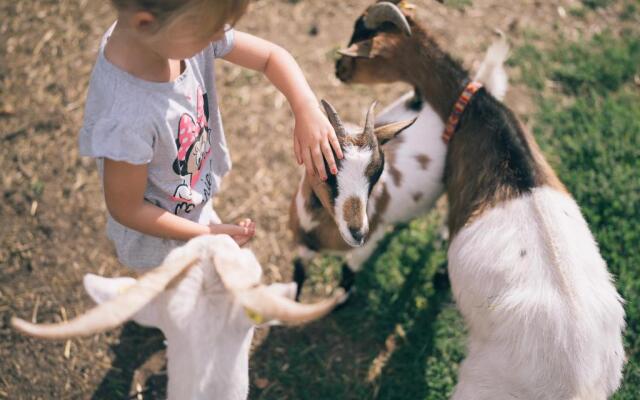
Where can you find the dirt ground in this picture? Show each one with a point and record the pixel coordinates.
(52, 215)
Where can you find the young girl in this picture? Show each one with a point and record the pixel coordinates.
(153, 123)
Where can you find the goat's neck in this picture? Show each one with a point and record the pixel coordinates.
(210, 360)
(439, 79)
(491, 159)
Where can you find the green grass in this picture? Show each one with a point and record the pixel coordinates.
(459, 4)
(593, 4)
(402, 319)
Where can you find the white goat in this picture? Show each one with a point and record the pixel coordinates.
(545, 321)
(201, 298)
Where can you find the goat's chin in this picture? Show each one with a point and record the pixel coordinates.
(351, 241)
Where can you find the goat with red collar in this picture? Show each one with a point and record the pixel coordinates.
(544, 319)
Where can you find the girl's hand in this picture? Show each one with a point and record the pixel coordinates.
(241, 233)
(313, 135)
(314, 138)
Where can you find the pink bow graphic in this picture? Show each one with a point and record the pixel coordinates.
(188, 130)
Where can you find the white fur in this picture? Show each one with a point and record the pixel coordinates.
(544, 318)
(491, 72)
(353, 182)
(207, 330)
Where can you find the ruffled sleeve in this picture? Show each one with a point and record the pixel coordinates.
(223, 46)
(117, 140)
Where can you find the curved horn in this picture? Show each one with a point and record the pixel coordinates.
(370, 119)
(258, 299)
(335, 120)
(112, 313)
(385, 11)
(271, 306)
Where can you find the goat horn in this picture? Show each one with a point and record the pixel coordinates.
(271, 306)
(385, 11)
(116, 311)
(335, 120)
(257, 299)
(370, 119)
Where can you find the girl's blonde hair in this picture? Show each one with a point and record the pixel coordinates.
(209, 15)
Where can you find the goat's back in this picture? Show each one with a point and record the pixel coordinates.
(545, 319)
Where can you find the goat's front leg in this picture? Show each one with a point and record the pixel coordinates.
(305, 256)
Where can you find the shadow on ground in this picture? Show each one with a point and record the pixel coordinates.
(139, 358)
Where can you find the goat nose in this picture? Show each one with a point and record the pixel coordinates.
(357, 235)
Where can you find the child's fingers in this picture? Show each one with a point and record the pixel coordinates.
(308, 163)
(296, 149)
(233, 229)
(240, 240)
(328, 155)
(318, 161)
(335, 143)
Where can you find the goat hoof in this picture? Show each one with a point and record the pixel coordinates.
(299, 276)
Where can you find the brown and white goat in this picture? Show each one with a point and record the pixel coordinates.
(545, 321)
(341, 213)
(383, 180)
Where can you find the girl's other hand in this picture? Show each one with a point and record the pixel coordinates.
(313, 141)
(241, 233)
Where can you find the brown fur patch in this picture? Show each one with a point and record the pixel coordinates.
(417, 196)
(326, 235)
(374, 165)
(382, 203)
(423, 160)
(353, 213)
(360, 140)
(390, 153)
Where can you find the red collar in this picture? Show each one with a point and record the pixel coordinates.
(458, 109)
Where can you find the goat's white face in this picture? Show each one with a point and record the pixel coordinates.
(199, 292)
(358, 172)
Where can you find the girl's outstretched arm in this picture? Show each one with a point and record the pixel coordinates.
(314, 136)
(124, 186)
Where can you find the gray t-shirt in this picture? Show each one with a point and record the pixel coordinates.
(174, 127)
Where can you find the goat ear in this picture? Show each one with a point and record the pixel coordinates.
(102, 289)
(387, 132)
(359, 50)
